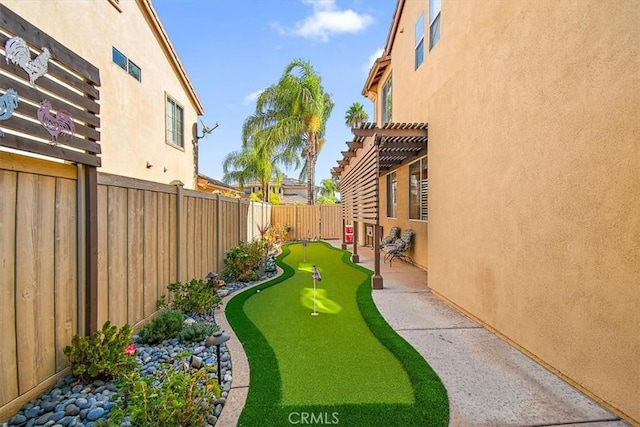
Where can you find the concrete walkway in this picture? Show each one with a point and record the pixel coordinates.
(489, 383)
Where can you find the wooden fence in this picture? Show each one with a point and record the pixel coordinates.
(321, 221)
(149, 235)
(38, 271)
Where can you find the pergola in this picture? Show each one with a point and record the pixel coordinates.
(384, 148)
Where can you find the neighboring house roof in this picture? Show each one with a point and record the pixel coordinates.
(208, 184)
(293, 199)
(286, 182)
(156, 25)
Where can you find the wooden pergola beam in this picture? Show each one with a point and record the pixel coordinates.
(393, 153)
(389, 132)
(354, 145)
(348, 154)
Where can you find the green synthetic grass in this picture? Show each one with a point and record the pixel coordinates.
(345, 366)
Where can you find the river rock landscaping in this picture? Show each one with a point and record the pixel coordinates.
(72, 402)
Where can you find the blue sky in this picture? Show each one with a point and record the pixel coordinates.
(232, 49)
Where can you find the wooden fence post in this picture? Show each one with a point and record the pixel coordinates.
(81, 229)
(179, 231)
(218, 233)
(239, 239)
(91, 242)
(87, 244)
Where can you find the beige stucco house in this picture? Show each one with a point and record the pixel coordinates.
(148, 106)
(525, 197)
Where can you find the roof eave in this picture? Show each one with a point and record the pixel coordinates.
(377, 69)
(148, 9)
(393, 30)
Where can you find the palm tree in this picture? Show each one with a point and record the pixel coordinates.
(328, 191)
(290, 117)
(247, 165)
(355, 116)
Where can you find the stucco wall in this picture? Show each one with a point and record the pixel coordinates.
(132, 112)
(534, 152)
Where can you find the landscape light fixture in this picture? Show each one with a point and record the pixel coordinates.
(211, 277)
(218, 338)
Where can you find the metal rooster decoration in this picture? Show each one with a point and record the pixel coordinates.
(17, 51)
(55, 124)
(8, 103)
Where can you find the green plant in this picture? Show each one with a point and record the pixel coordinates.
(171, 398)
(197, 332)
(196, 296)
(242, 262)
(105, 355)
(277, 233)
(167, 324)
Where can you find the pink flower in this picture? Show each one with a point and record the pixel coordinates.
(130, 350)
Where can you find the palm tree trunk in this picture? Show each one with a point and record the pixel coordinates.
(265, 191)
(311, 167)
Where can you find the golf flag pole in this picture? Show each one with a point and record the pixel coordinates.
(316, 276)
(304, 250)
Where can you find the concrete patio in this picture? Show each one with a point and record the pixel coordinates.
(489, 382)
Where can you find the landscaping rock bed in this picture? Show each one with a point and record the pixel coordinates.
(73, 403)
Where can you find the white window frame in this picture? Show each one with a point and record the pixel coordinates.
(392, 195)
(387, 95)
(174, 130)
(419, 41)
(129, 66)
(435, 6)
(422, 190)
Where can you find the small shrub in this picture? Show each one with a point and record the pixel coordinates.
(197, 332)
(106, 355)
(242, 262)
(165, 325)
(171, 398)
(277, 233)
(196, 296)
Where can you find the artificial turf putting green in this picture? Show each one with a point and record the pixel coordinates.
(344, 366)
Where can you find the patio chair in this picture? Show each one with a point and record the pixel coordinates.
(394, 233)
(400, 248)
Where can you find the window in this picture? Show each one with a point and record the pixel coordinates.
(175, 123)
(419, 40)
(119, 59)
(434, 22)
(135, 71)
(418, 190)
(126, 64)
(386, 101)
(392, 195)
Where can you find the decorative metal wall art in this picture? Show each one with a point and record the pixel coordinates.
(17, 51)
(55, 124)
(8, 103)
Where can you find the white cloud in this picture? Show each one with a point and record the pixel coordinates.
(252, 97)
(326, 20)
(375, 55)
